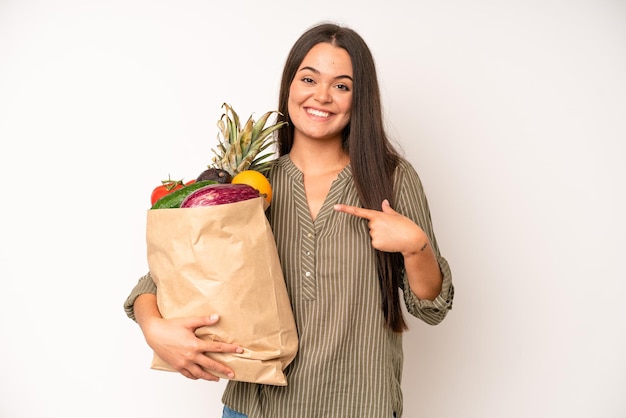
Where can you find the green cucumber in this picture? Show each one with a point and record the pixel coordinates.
(174, 199)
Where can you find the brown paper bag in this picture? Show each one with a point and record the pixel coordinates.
(223, 259)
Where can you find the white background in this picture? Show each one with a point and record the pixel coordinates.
(513, 113)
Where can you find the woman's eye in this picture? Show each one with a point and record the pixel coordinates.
(308, 80)
(343, 87)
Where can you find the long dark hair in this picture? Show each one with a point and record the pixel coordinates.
(372, 157)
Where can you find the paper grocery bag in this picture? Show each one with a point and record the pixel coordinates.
(223, 259)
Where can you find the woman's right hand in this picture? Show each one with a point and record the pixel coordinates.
(175, 341)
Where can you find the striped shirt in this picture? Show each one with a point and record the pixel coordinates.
(349, 363)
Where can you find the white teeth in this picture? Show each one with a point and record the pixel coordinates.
(318, 113)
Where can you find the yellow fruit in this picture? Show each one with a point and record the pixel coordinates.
(255, 179)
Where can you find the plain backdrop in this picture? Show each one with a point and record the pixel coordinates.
(513, 113)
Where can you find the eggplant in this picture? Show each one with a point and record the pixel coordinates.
(219, 194)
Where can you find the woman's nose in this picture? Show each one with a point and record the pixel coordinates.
(322, 94)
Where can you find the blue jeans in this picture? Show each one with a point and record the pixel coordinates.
(229, 413)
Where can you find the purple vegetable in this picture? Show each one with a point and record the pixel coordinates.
(219, 194)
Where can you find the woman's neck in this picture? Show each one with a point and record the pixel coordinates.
(318, 158)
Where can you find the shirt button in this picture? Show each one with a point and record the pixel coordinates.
(307, 274)
(308, 253)
(309, 235)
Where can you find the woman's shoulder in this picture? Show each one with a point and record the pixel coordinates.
(283, 167)
(405, 167)
(275, 164)
(407, 182)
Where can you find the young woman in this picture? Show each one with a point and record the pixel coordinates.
(353, 231)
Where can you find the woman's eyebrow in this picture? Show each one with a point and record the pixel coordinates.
(314, 70)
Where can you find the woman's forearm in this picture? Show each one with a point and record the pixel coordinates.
(423, 273)
(146, 308)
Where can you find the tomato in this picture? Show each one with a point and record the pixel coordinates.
(167, 187)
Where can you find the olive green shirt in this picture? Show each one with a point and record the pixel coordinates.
(349, 363)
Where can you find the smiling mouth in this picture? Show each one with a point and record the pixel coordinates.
(319, 113)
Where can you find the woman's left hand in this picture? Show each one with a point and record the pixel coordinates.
(390, 231)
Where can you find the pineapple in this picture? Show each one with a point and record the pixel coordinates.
(240, 148)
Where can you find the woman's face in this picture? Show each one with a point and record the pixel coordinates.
(320, 95)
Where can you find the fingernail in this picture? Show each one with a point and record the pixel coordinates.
(214, 317)
(230, 375)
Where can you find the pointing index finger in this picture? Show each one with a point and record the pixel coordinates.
(356, 211)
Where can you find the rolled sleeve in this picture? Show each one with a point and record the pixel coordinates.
(144, 285)
(431, 311)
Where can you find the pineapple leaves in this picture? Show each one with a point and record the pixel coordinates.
(239, 148)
